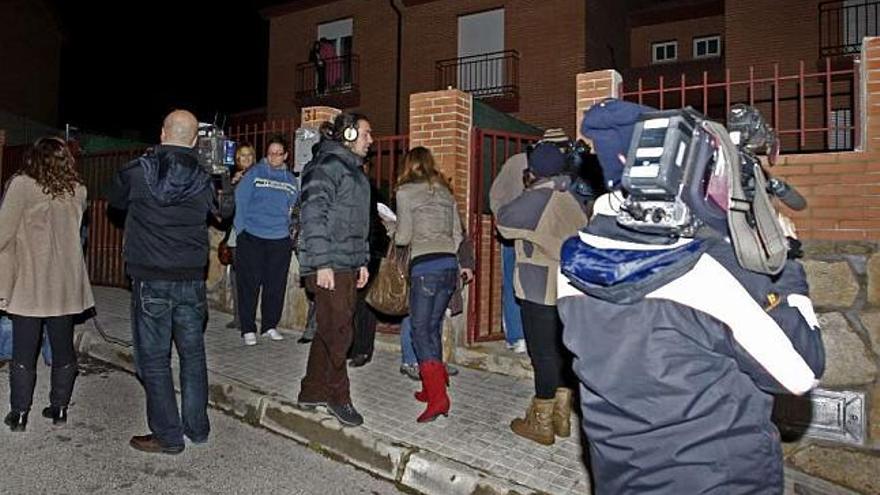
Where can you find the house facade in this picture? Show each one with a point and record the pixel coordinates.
(520, 56)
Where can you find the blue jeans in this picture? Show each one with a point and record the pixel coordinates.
(513, 328)
(428, 298)
(407, 351)
(166, 311)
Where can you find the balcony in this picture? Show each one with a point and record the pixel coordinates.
(490, 77)
(843, 24)
(336, 84)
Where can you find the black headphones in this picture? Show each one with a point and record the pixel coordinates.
(346, 126)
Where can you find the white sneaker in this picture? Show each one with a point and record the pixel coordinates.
(249, 338)
(518, 346)
(273, 334)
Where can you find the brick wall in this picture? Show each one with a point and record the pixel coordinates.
(549, 36)
(684, 32)
(374, 41)
(756, 34)
(315, 116)
(441, 121)
(592, 87)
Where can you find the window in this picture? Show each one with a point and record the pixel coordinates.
(840, 133)
(707, 47)
(479, 35)
(666, 51)
(335, 50)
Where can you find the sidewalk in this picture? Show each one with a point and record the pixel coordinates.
(471, 451)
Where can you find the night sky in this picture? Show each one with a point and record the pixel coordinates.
(125, 64)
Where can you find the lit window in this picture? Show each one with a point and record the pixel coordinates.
(707, 47)
(666, 51)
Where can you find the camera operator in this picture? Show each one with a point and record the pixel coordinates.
(677, 347)
(169, 198)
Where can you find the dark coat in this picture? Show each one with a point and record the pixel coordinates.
(169, 199)
(335, 211)
(677, 350)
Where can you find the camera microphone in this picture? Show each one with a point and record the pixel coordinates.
(786, 193)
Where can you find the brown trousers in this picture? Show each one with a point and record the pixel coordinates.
(326, 377)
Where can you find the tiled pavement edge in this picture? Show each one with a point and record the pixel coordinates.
(470, 452)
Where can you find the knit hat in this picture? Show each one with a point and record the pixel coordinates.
(546, 160)
(609, 125)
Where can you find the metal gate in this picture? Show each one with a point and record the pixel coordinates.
(489, 150)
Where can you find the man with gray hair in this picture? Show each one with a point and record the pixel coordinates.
(168, 197)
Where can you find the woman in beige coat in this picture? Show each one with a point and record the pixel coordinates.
(44, 278)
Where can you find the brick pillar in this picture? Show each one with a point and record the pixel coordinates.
(593, 87)
(869, 111)
(315, 116)
(441, 121)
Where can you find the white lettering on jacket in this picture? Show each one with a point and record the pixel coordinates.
(275, 184)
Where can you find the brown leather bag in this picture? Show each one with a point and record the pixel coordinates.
(389, 292)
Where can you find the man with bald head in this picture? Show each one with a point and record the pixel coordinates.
(168, 198)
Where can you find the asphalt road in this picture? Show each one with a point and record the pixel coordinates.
(91, 453)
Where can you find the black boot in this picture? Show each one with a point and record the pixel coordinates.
(63, 378)
(22, 380)
(16, 420)
(58, 415)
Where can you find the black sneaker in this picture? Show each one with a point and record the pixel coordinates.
(346, 414)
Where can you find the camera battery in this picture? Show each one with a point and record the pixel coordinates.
(657, 154)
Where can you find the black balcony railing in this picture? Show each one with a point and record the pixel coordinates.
(843, 24)
(488, 75)
(337, 78)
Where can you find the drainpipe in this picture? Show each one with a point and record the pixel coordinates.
(397, 65)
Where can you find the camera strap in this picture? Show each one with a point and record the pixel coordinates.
(755, 233)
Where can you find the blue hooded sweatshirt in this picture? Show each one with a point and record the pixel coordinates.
(263, 201)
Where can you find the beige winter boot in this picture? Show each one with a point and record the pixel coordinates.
(562, 413)
(538, 422)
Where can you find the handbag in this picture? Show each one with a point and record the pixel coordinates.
(389, 292)
(225, 254)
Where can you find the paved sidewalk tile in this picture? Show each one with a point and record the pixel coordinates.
(476, 432)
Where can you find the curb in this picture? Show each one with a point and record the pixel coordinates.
(406, 465)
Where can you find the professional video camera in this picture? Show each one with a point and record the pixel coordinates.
(684, 172)
(216, 152)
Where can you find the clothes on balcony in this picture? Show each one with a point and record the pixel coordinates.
(332, 65)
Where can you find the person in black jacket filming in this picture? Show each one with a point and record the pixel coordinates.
(168, 197)
(680, 330)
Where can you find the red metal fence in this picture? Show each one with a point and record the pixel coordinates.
(386, 163)
(258, 134)
(489, 150)
(104, 248)
(812, 111)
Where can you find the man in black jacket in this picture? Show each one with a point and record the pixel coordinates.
(169, 198)
(333, 255)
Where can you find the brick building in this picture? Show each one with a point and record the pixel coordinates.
(537, 49)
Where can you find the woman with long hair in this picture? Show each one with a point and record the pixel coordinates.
(44, 280)
(428, 222)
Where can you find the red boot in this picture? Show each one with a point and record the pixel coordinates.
(422, 395)
(434, 385)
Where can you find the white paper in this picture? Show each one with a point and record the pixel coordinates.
(385, 212)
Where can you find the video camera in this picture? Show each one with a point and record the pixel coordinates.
(684, 172)
(216, 152)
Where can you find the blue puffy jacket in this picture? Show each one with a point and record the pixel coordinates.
(678, 350)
